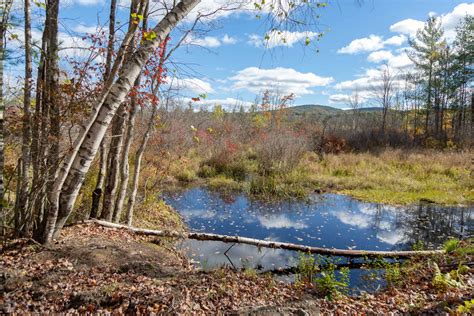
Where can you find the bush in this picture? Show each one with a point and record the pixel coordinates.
(330, 285)
(279, 151)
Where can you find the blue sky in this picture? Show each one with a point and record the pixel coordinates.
(231, 60)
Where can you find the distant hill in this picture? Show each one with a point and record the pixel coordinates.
(313, 109)
(371, 109)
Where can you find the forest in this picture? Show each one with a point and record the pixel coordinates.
(108, 163)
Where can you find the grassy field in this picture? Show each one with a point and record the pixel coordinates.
(397, 177)
(390, 176)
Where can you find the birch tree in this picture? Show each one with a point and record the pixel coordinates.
(4, 15)
(22, 214)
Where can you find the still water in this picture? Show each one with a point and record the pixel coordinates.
(328, 220)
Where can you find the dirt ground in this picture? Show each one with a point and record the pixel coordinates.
(92, 269)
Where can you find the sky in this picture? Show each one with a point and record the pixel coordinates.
(233, 64)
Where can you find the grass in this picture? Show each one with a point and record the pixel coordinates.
(223, 183)
(398, 177)
(390, 176)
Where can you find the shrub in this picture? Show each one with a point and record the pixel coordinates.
(329, 284)
(279, 151)
(307, 268)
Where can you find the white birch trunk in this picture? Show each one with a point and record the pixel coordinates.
(125, 167)
(69, 188)
(138, 163)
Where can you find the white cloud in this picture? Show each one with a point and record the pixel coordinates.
(228, 39)
(209, 41)
(281, 38)
(194, 85)
(371, 43)
(407, 26)
(448, 22)
(81, 28)
(69, 45)
(379, 56)
(255, 40)
(400, 61)
(228, 104)
(283, 80)
(339, 98)
(89, 2)
(370, 80)
(280, 221)
(396, 40)
(366, 44)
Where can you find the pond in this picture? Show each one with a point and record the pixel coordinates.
(327, 220)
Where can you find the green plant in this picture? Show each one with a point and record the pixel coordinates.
(206, 171)
(250, 272)
(443, 281)
(307, 268)
(418, 245)
(451, 245)
(466, 308)
(186, 175)
(393, 274)
(329, 284)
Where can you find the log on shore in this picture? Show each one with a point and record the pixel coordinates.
(271, 244)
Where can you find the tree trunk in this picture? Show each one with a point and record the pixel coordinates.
(428, 105)
(74, 154)
(3, 28)
(110, 44)
(125, 171)
(89, 140)
(273, 244)
(38, 143)
(125, 167)
(97, 193)
(113, 164)
(51, 102)
(23, 196)
(138, 162)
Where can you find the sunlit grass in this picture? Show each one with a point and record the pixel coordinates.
(398, 177)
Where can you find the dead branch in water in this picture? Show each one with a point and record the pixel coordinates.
(271, 244)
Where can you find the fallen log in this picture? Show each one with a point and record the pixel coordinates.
(271, 244)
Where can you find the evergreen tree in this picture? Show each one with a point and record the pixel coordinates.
(426, 55)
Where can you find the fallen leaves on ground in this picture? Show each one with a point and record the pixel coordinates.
(97, 269)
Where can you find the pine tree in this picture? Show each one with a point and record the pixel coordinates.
(426, 55)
